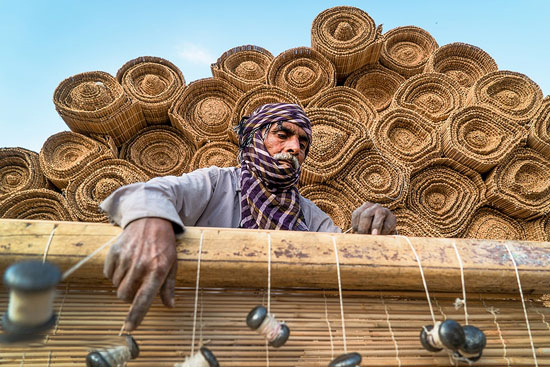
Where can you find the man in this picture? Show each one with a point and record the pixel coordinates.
(274, 142)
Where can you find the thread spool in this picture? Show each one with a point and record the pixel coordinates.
(443, 335)
(204, 358)
(114, 357)
(475, 342)
(275, 332)
(32, 291)
(346, 360)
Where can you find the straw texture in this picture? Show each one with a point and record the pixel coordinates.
(64, 155)
(412, 225)
(97, 181)
(463, 62)
(328, 197)
(36, 204)
(480, 138)
(160, 151)
(433, 95)
(490, 224)
(377, 83)
(154, 83)
(348, 37)
(512, 94)
(539, 229)
(20, 170)
(245, 66)
(445, 193)
(520, 185)
(539, 132)
(407, 49)
(219, 154)
(303, 72)
(94, 102)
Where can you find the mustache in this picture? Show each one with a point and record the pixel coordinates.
(287, 157)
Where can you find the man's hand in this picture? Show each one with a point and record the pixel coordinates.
(372, 218)
(142, 262)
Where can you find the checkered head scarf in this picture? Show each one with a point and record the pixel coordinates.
(269, 196)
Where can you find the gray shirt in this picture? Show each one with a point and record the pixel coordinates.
(207, 197)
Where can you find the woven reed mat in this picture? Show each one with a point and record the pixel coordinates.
(383, 327)
(348, 37)
(331, 198)
(64, 155)
(480, 138)
(462, 62)
(97, 181)
(539, 229)
(154, 83)
(94, 102)
(20, 170)
(219, 154)
(406, 137)
(520, 185)
(488, 223)
(40, 204)
(377, 83)
(303, 72)
(160, 151)
(407, 49)
(512, 94)
(245, 66)
(539, 133)
(433, 95)
(446, 193)
(408, 223)
(349, 101)
(336, 137)
(204, 109)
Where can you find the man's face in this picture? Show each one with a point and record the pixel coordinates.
(286, 140)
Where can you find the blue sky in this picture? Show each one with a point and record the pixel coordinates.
(44, 42)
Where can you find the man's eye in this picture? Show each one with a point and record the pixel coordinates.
(302, 146)
(281, 135)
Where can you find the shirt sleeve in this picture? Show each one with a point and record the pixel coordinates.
(318, 220)
(179, 199)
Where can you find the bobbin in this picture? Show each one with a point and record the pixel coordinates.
(29, 282)
(113, 357)
(203, 359)
(258, 319)
(443, 335)
(475, 342)
(346, 360)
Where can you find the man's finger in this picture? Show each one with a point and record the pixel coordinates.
(142, 302)
(365, 220)
(120, 270)
(167, 289)
(111, 261)
(130, 284)
(378, 221)
(389, 224)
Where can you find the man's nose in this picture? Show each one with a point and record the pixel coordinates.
(292, 146)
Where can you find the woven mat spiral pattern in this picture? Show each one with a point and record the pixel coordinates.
(303, 72)
(160, 151)
(328, 197)
(245, 66)
(97, 181)
(219, 154)
(20, 170)
(539, 132)
(412, 225)
(512, 94)
(480, 138)
(64, 155)
(36, 204)
(539, 229)
(463, 62)
(445, 193)
(377, 83)
(348, 37)
(489, 223)
(407, 49)
(520, 185)
(154, 83)
(94, 102)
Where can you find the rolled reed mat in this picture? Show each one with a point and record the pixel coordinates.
(479, 138)
(303, 72)
(219, 154)
(411, 224)
(369, 176)
(348, 37)
(520, 185)
(433, 95)
(407, 49)
(349, 101)
(406, 137)
(20, 170)
(446, 194)
(336, 137)
(204, 109)
(462, 62)
(36, 204)
(539, 132)
(512, 94)
(331, 198)
(490, 224)
(538, 229)
(94, 102)
(97, 181)
(377, 83)
(160, 151)
(64, 155)
(245, 66)
(154, 83)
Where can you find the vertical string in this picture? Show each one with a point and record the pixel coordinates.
(196, 294)
(494, 312)
(391, 332)
(463, 283)
(48, 244)
(340, 294)
(268, 292)
(329, 327)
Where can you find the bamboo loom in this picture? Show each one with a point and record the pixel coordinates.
(383, 299)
